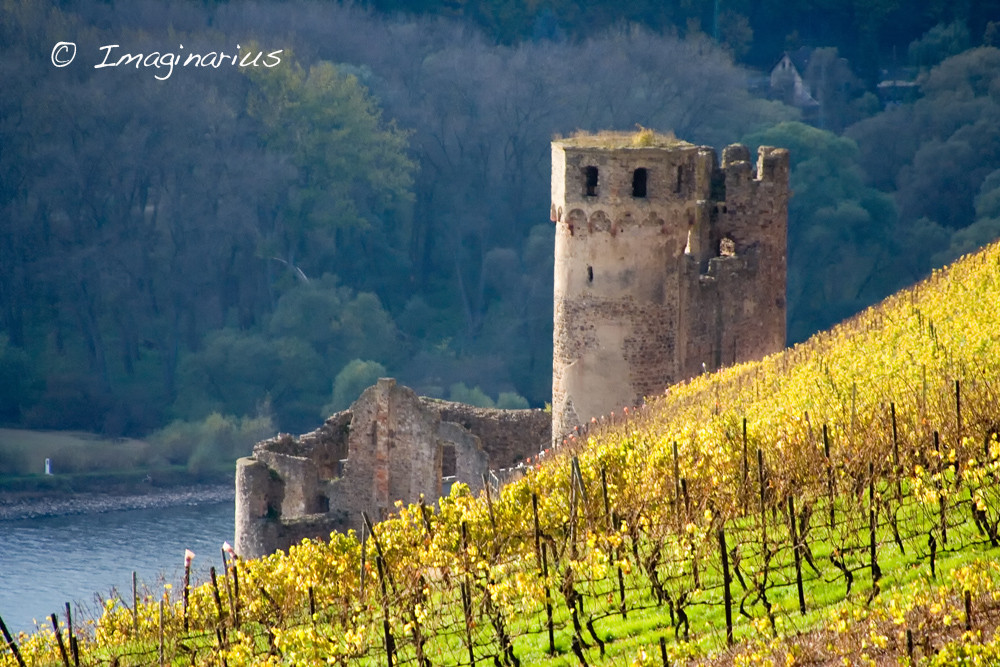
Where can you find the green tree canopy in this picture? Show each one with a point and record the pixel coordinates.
(352, 176)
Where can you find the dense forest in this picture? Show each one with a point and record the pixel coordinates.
(264, 241)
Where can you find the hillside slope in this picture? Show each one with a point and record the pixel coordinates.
(812, 502)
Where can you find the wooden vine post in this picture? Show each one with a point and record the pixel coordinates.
(612, 526)
(763, 513)
(135, 604)
(161, 632)
(876, 571)
(746, 464)
(188, 556)
(543, 571)
(829, 474)
(958, 409)
(390, 644)
(898, 471)
(548, 602)
(942, 502)
(11, 644)
(677, 484)
(59, 639)
(466, 589)
(74, 645)
(727, 595)
(797, 551)
(218, 602)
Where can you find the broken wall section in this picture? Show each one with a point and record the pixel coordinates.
(390, 445)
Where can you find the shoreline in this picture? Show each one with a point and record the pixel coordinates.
(16, 506)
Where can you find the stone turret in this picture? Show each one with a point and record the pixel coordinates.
(666, 264)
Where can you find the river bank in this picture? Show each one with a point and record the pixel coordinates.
(19, 505)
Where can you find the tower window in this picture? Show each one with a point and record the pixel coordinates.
(680, 179)
(590, 181)
(639, 182)
(590, 274)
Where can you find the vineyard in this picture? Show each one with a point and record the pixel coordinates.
(837, 503)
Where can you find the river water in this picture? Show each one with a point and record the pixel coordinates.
(46, 562)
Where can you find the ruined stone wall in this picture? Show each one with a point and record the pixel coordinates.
(386, 447)
(740, 294)
(471, 460)
(661, 276)
(508, 436)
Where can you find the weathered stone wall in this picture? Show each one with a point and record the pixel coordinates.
(471, 461)
(508, 436)
(661, 276)
(386, 447)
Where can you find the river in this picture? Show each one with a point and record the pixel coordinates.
(46, 562)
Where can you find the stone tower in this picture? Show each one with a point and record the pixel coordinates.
(666, 264)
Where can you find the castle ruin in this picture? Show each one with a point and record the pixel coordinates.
(390, 445)
(666, 265)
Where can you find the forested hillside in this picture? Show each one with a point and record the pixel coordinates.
(264, 242)
(872, 35)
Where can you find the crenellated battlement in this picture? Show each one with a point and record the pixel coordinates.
(667, 262)
(742, 178)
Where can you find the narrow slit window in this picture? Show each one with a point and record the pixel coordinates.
(590, 274)
(680, 179)
(639, 182)
(590, 181)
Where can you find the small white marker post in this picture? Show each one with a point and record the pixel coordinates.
(48, 466)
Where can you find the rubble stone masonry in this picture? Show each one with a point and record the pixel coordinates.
(389, 445)
(666, 264)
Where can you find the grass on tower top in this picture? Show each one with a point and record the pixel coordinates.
(642, 138)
